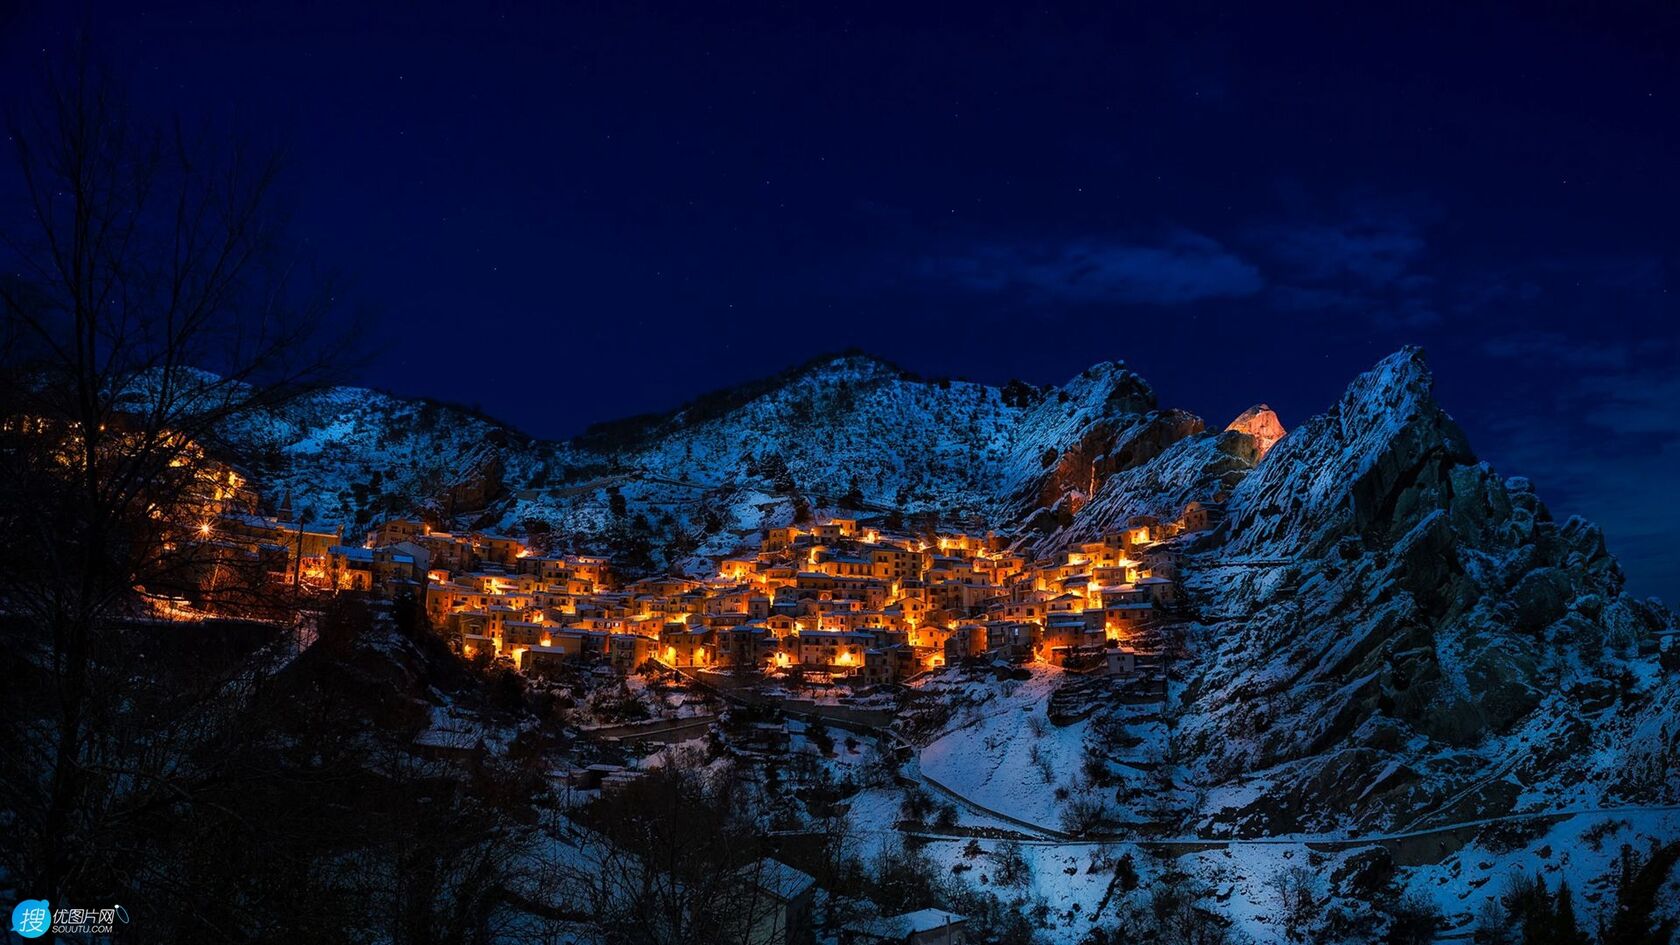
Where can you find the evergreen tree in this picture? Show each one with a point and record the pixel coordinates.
(775, 469)
(853, 498)
(1566, 930)
(1638, 883)
(1531, 909)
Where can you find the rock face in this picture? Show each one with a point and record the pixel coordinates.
(476, 483)
(1196, 466)
(1108, 448)
(1370, 460)
(1261, 423)
(1386, 624)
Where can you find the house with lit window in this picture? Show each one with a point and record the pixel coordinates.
(682, 647)
(380, 572)
(1163, 592)
(1202, 516)
(965, 641)
(748, 646)
(565, 646)
(839, 650)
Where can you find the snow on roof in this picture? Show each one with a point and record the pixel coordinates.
(260, 521)
(922, 920)
(782, 880)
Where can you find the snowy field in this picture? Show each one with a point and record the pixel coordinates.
(1004, 754)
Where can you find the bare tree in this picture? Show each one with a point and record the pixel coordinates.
(671, 858)
(147, 312)
(1298, 898)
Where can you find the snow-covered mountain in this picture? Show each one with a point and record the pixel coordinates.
(1398, 671)
(1385, 638)
(844, 433)
(1386, 630)
(1391, 634)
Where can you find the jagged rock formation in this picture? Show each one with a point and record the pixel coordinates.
(1197, 466)
(348, 455)
(1261, 423)
(1390, 630)
(476, 483)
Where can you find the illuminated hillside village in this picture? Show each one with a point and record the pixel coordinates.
(842, 600)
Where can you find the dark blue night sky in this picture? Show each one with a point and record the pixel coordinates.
(1244, 206)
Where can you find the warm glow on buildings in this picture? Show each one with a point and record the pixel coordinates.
(859, 604)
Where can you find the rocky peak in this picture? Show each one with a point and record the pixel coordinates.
(848, 364)
(1404, 609)
(1261, 423)
(1376, 459)
(1111, 387)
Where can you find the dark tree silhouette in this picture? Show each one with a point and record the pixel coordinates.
(146, 310)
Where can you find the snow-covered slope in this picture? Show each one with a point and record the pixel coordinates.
(345, 455)
(844, 433)
(1385, 630)
(1393, 654)
(1390, 632)
(1384, 634)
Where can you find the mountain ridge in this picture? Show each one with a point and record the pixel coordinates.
(1382, 634)
(337, 440)
(1430, 598)
(849, 424)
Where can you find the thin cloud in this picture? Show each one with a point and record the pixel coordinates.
(1637, 403)
(1366, 265)
(1375, 252)
(1186, 267)
(1554, 349)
